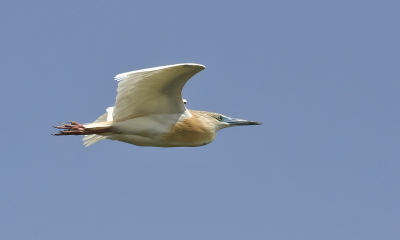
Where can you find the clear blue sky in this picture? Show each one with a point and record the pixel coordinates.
(323, 77)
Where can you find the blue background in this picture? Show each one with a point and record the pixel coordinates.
(323, 77)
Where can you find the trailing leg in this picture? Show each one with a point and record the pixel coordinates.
(74, 128)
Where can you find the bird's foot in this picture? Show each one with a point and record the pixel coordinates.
(71, 128)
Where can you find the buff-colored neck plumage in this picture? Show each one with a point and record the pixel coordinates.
(198, 130)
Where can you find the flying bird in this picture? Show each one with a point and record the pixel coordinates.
(149, 111)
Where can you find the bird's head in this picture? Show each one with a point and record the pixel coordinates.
(219, 121)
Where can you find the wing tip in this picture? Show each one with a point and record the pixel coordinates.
(193, 65)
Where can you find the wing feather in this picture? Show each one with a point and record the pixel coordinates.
(152, 91)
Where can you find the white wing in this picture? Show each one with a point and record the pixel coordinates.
(152, 91)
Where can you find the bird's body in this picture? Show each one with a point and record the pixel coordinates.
(149, 111)
(164, 130)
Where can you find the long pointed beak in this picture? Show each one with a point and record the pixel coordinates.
(240, 122)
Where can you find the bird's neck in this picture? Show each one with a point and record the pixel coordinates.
(194, 131)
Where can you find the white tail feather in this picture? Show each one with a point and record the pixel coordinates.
(93, 138)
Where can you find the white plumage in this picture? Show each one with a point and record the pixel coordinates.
(152, 91)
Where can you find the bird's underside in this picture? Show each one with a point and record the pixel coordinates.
(171, 130)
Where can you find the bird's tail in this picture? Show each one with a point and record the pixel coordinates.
(103, 122)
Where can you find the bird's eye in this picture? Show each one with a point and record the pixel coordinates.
(219, 118)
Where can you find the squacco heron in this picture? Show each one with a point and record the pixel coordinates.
(149, 111)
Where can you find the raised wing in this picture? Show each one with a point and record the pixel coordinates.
(152, 91)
